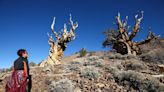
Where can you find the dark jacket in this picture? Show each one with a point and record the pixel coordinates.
(19, 65)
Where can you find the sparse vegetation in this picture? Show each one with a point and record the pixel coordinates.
(139, 82)
(123, 73)
(104, 71)
(93, 61)
(32, 64)
(136, 80)
(63, 85)
(73, 68)
(96, 63)
(83, 52)
(134, 65)
(93, 58)
(9, 69)
(119, 56)
(113, 70)
(99, 64)
(91, 53)
(154, 56)
(2, 70)
(76, 63)
(90, 73)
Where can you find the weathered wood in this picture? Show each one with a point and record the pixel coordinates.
(58, 47)
(161, 68)
(158, 76)
(136, 27)
(121, 41)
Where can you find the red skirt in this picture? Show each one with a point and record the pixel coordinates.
(17, 82)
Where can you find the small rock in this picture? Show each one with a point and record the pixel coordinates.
(77, 89)
(100, 85)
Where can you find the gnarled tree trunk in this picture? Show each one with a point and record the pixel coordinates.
(58, 47)
(122, 42)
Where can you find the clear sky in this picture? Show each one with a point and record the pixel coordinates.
(25, 23)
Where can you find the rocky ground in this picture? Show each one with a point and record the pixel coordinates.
(100, 72)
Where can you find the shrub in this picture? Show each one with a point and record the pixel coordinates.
(94, 61)
(140, 82)
(8, 69)
(75, 63)
(83, 52)
(92, 53)
(137, 81)
(99, 64)
(154, 56)
(2, 70)
(112, 70)
(92, 58)
(32, 64)
(90, 73)
(119, 56)
(72, 68)
(134, 65)
(111, 56)
(63, 85)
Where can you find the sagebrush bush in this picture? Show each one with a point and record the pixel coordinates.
(75, 63)
(63, 85)
(92, 58)
(99, 64)
(134, 65)
(48, 82)
(94, 61)
(8, 69)
(119, 56)
(73, 68)
(112, 70)
(32, 64)
(136, 80)
(154, 56)
(90, 73)
(139, 82)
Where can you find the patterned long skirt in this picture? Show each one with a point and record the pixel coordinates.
(17, 82)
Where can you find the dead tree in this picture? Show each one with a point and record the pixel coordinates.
(58, 47)
(122, 41)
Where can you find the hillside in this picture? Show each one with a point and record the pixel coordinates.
(100, 72)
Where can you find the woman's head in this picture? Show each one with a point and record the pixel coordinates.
(22, 53)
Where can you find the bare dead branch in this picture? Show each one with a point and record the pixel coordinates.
(150, 37)
(52, 28)
(73, 27)
(125, 22)
(119, 20)
(136, 27)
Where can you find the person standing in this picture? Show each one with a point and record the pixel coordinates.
(20, 80)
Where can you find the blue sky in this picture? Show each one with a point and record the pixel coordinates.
(25, 23)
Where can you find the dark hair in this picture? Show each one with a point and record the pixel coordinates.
(20, 52)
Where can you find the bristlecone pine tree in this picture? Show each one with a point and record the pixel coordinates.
(120, 39)
(58, 47)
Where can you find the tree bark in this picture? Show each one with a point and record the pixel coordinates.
(58, 47)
